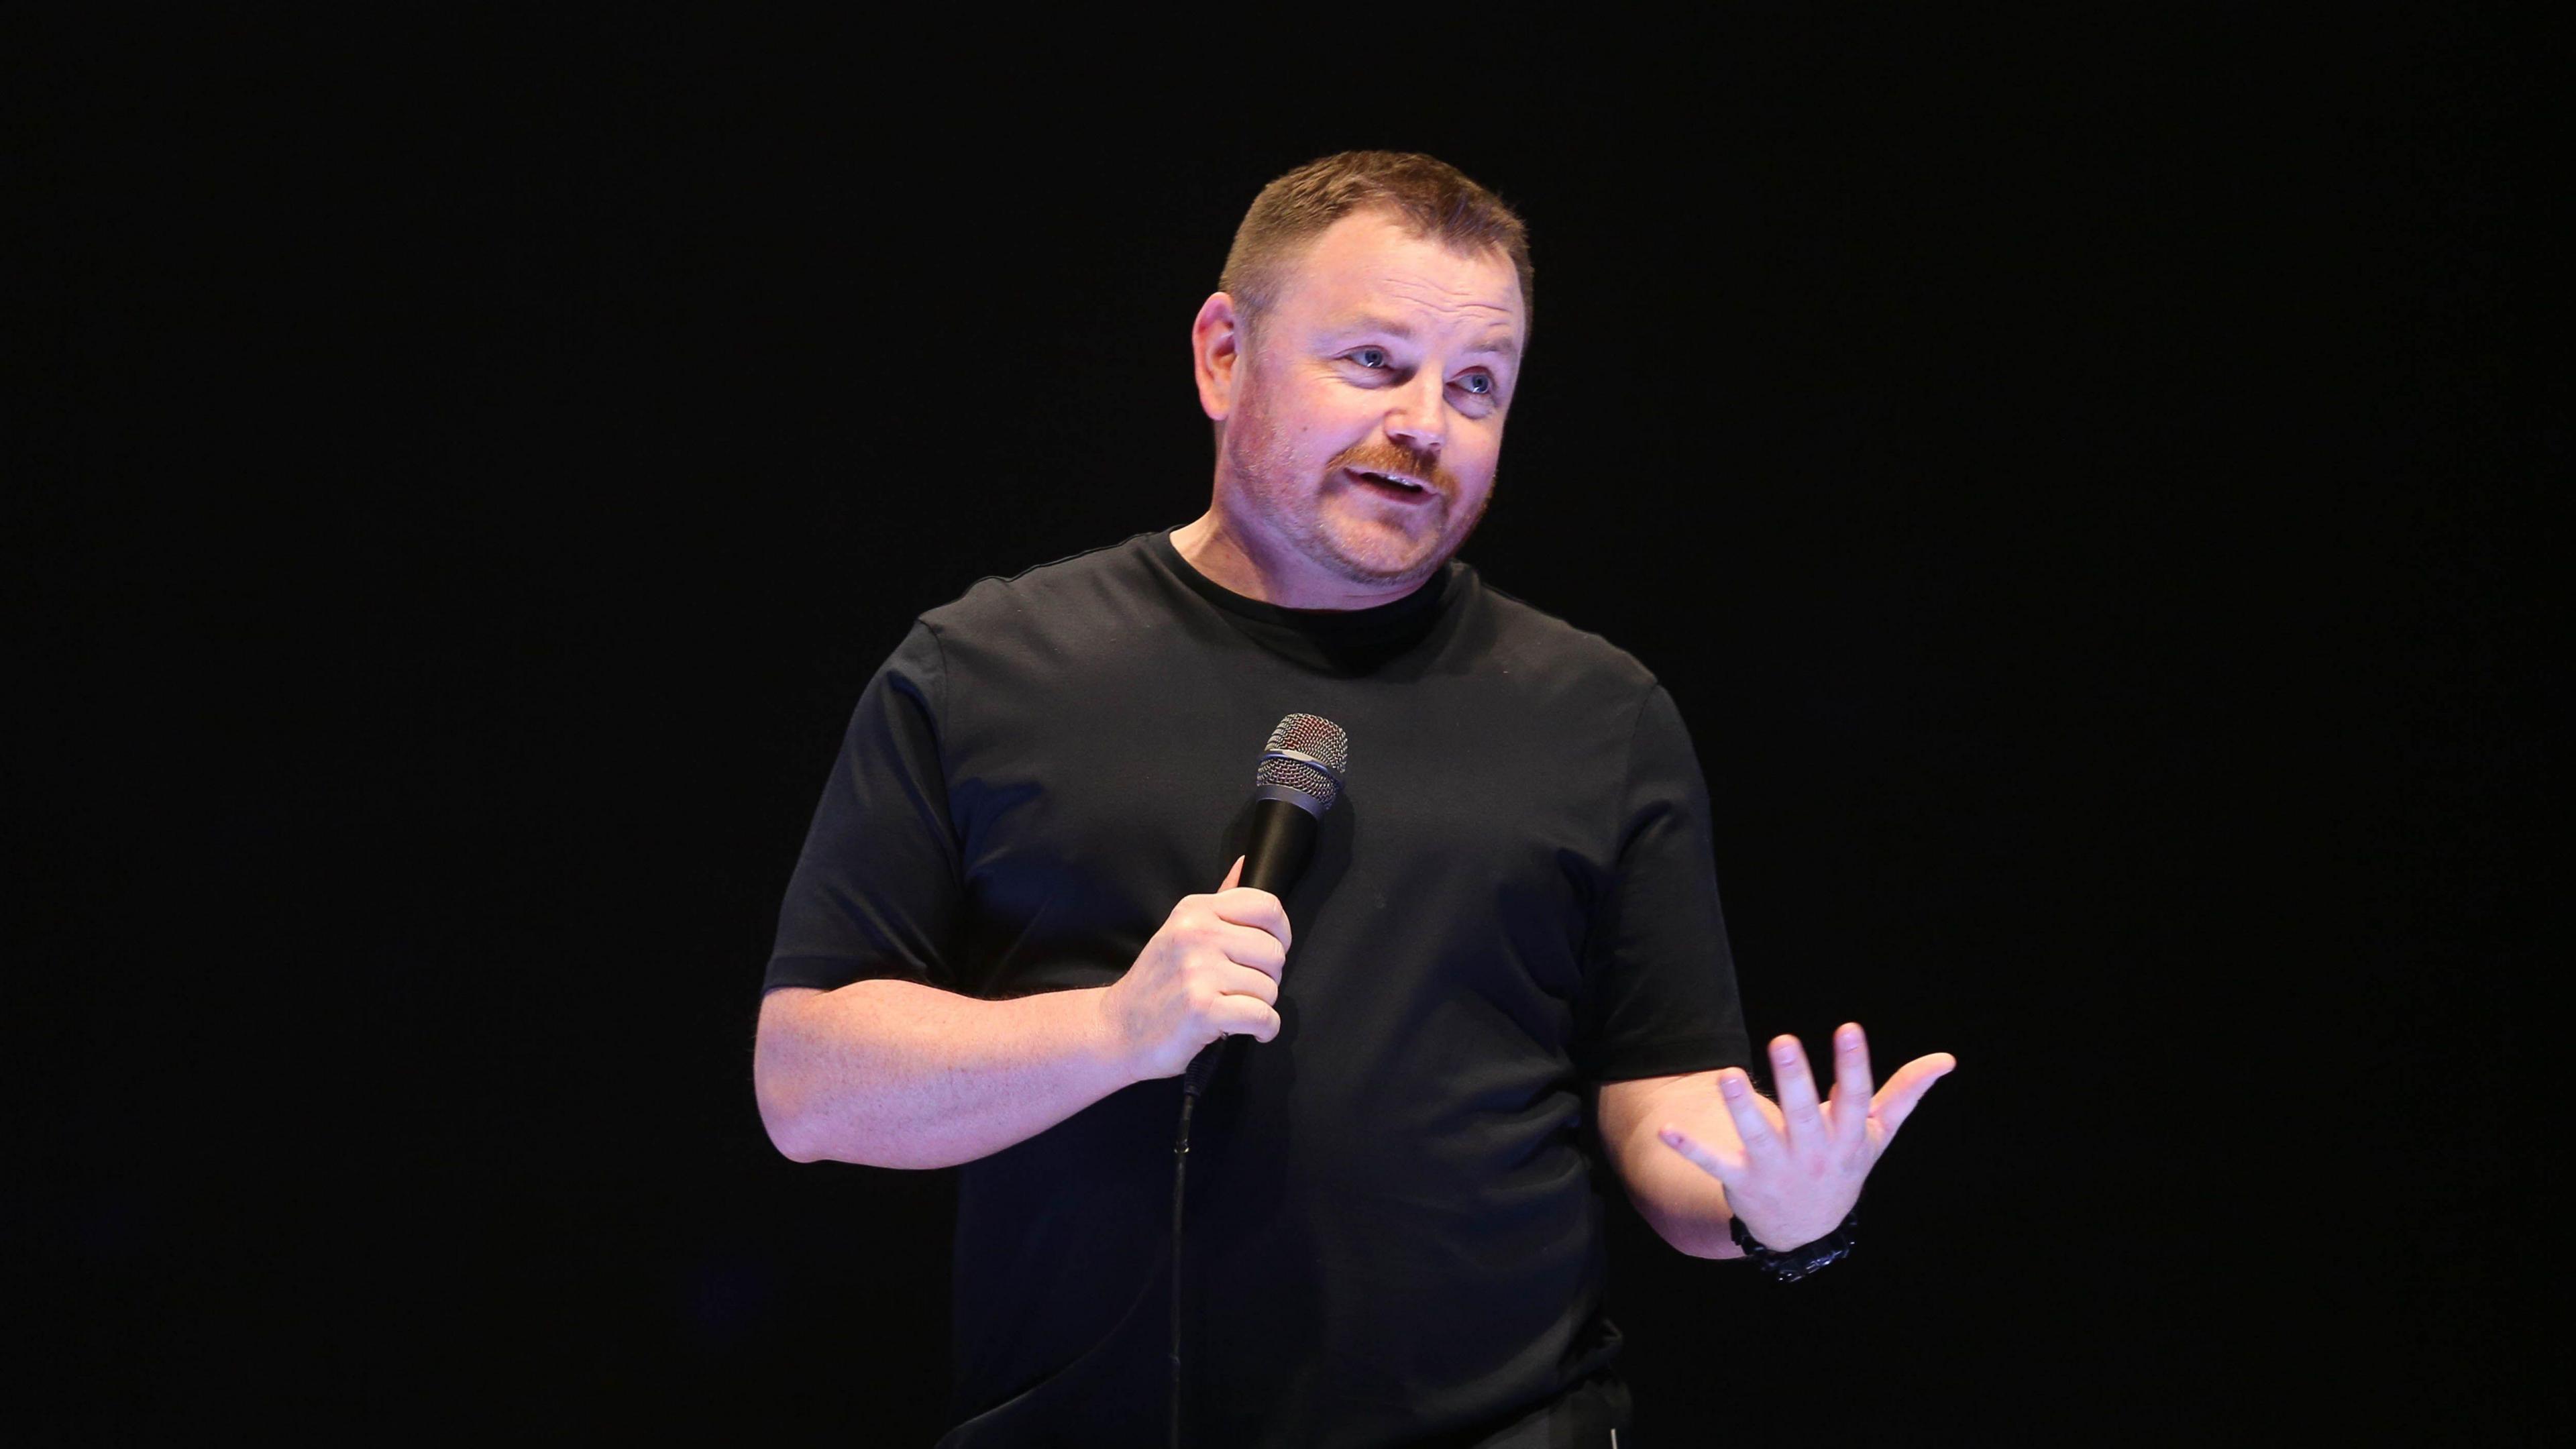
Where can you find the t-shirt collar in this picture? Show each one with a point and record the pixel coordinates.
(1401, 616)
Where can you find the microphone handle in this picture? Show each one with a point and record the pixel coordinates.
(1282, 837)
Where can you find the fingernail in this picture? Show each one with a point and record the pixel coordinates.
(1731, 1086)
(1850, 1037)
(1783, 1052)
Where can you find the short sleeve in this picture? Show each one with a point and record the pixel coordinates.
(877, 890)
(1659, 990)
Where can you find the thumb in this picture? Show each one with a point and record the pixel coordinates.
(1234, 875)
(1904, 1091)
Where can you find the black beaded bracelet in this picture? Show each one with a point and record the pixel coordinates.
(1795, 1263)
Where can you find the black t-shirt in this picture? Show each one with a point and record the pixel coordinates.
(1394, 1226)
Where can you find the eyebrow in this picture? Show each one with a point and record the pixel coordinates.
(1505, 346)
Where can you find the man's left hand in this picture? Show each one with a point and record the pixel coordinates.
(1793, 1168)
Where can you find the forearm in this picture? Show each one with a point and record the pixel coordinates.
(897, 1074)
(1685, 1206)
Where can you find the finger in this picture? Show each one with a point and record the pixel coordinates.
(1233, 875)
(1851, 1083)
(1259, 950)
(1235, 1015)
(1896, 1100)
(1751, 1114)
(1797, 1091)
(1234, 980)
(1727, 1167)
(1258, 909)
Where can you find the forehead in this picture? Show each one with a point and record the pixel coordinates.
(1368, 262)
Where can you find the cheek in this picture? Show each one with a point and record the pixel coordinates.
(1272, 425)
(1336, 423)
(1302, 419)
(1475, 465)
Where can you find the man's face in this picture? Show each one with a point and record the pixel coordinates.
(1367, 410)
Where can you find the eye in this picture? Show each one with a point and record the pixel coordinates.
(1479, 383)
(1370, 357)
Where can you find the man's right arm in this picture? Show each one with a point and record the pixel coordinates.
(898, 1074)
(894, 1073)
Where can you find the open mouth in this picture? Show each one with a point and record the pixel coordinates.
(1392, 486)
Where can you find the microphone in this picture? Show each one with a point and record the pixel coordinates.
(1298, 779)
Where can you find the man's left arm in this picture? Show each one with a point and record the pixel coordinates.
(1697, 1150)
(1684, 1205)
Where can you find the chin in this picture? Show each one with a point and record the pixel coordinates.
(1368, 549)
(1370, 556)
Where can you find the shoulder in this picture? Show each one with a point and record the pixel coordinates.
(1088, 589)
(1525, 636)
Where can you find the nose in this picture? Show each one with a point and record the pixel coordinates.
(1418, 416)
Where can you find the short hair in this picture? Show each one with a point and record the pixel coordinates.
(1429, 195)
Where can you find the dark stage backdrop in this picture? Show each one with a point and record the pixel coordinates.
(2085, 484)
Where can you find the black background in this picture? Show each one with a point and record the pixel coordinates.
(2085, 483)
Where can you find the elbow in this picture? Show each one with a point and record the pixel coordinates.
(786, 1112)
(790, 1131)
(808, 1137)
(812, 1117)
(803, 1130)
(782, 1086)
(791, 1146)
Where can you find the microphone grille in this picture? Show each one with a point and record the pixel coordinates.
(1311, 735)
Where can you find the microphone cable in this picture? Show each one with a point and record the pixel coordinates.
(1298, 779)
(1180, 1175)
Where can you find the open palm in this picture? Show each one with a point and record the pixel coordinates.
(1793, 1168)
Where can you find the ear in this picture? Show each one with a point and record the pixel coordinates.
(1216, 353)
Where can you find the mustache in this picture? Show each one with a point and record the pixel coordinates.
(1379, 455)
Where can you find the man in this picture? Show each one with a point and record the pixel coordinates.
(1393, 1223)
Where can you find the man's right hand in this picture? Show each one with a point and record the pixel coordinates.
(1211, 971)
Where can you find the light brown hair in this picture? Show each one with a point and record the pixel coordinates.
(1429, 195)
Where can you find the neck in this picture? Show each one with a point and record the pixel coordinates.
(1238, 560)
